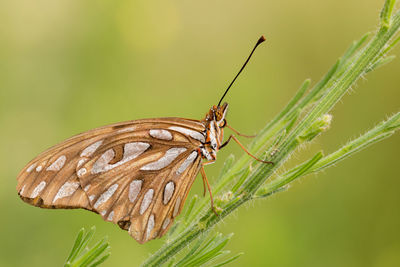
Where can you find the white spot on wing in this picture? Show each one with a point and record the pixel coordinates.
(103, 161)
(131, 151)
(38, 189)
(176, 208)
(169, 156)
(86, 188)
(168, 192)
(39, 168)
(150, 226)
(194, 134)
(91, 197)
(103, 212)
(134, 189)
(148, 197)
(80, 162)
(22, 190)
(81, 172)
(110, 216)
(58, 164)
(189, 160)
(166, 223)
(161, 134)
(87, 152)
(66, 190)
(30, 168)
(106, 195)
(128, 129)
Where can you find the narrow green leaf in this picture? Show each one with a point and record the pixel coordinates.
(391, 45)
(86, 239)
(171, 263)
(192, 252)
(190, 207)
(209, 255)
(75, 248)
(310, 97)
(378, 133)
(380, 62)
(89, 256)
(353, 48)
(386, 13)
(288, 176)
(101, 260)
(228, 260)
(227, 165)
(211, 250)
(242, 178)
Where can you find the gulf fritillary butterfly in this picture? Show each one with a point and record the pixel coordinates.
(136, 174)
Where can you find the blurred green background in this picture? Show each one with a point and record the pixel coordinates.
(68, 66)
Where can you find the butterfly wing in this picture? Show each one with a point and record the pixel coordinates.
(146, 196)
(117, 171)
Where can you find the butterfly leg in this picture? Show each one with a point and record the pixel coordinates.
(248, 153)
(205, 181)
(204, 188)
(240, 134)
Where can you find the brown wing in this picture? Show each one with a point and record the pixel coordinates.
(105, 161)
(145, 197)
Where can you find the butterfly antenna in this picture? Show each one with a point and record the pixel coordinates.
(262, 39)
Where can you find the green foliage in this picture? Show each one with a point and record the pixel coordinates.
(206, 250)
(82, 255)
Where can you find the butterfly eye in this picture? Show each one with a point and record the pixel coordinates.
(223, 124)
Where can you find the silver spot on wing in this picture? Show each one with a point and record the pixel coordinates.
(168, 192)
(169, 156)
(101, 164)
(150, 226)
(161, 134)
(166, 223)
(189, 160)
(148, 197)
(87, 152)
(81, 172)
(194, 134)
(66, 190)
(106, 195)
(22, 190)
(38, 189)
(131, 151)
(110, 216)
(134, 189)
(30, 168)
(176, 207)
(58, 164)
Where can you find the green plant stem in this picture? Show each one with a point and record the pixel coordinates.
(319, 163)
(380, 132)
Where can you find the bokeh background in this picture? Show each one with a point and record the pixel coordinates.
(68, 66)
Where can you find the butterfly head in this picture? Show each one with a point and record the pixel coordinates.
(218, 114)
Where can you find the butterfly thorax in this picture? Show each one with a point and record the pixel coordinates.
(214, 123)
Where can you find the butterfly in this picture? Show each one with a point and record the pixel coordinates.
(136, 174)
